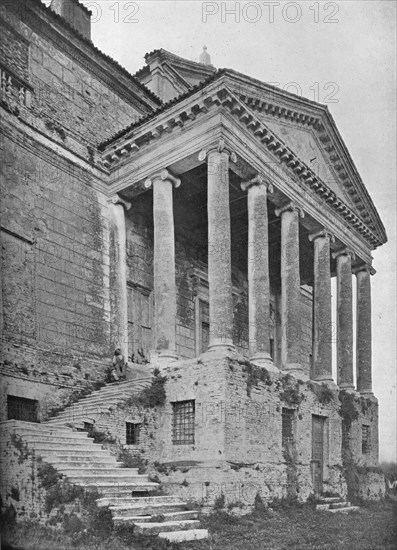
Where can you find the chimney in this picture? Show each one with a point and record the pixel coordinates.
(77, 15)
(205, 57)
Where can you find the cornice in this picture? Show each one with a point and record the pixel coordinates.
(239, 110)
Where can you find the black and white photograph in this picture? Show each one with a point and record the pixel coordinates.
(198, 275)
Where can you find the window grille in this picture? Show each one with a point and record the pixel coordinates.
(132, 433)
(366, 440)
(287, 426)
(183, 423)
(20, 408)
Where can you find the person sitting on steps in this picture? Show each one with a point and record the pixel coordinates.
(119, 365)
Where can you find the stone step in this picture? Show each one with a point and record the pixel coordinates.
(168, 517)
(342, 504)
(185, 536)
(323, 506)
(345, 509)
(152, 528)
(64, 465)
(141, 501)
(35, 427)
(52, 432)
(147, 510)
(128, 473)
(62, 452)
(85, 477)
(328, 500)
(82, 441)
(43, 448)
(111, 490)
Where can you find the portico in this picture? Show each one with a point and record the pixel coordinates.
(266, 219)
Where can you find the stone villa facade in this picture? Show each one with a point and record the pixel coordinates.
(194, 217)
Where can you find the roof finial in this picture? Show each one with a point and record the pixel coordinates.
(205, 58)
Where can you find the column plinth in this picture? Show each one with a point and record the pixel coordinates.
(322, 309)
(290, 289)
(164, 266)
(344, 320)
(258, 272)
(219, 253)
(364, 331)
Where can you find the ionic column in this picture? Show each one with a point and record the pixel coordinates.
(118, 207)
(290, 288)
(219, 242)
(258, 271)
(322, 309)
(344, 319)
(164, 264)
(364, 333)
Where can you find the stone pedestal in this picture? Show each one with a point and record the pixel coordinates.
(364, 332)
(345, 320)
(322, 311)
(219, 255)
(290, 289)
(258, 271)
(164, 265)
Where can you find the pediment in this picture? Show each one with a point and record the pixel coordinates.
(306, 145)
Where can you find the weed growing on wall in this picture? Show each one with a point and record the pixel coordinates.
(255, 375)
(290, 393)
(324, 393)
(154, 395)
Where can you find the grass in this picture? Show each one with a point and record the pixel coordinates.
(373, 527)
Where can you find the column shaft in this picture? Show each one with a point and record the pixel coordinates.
(120, 274)
(219, 259)
(322, 311)
(364, 335)
(290, 291)
(345, 321)
(164, 268)
(258, 273)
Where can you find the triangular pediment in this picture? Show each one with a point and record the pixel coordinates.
(306, 145)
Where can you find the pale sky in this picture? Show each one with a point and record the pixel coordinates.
(342, 51)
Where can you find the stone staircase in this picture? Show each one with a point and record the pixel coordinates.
(89, 409)
(335, 504)
(87, 464)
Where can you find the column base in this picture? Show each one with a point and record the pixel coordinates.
(347, 387)
(295, 370)
(161, 359)
(366, 393)
(264, 360)
(220, 345)
(325, 379)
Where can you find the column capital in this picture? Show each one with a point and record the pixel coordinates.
(344, 252)
(364, 267)
(257, 180)
(218, 148)
(164, 175)
(116, 199)
(322, 233)
(290, 207)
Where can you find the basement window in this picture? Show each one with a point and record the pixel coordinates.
(20, 408)
(287, 426)
(132, 432)
(183, 423)
(366, 440)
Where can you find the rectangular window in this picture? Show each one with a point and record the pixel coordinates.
(20, 408)
(366, 440)
(287, 426)
(183, 423)
(132, 433)
(345, 436)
